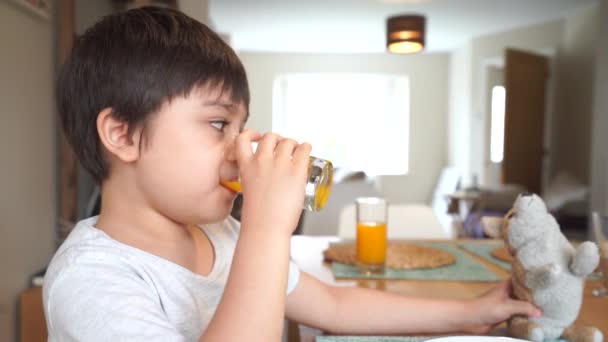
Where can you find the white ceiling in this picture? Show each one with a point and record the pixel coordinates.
(358, 26)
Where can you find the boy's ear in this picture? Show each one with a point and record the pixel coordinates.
(116, 137)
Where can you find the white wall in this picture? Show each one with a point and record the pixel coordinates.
(87, 13)
(27, 172)
(428, 75)
(459, 113)
(197, 9)
(599, 168)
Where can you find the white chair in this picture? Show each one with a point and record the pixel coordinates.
(325, 222)
(343, 194)
(405, 221)
(448, 182)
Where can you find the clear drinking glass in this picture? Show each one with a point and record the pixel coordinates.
(318, 183)
(372, 222)
(600, 228)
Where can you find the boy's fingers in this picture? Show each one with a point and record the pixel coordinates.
(507, 287)
(286, 148)
(267, 144)
(518, 307)
(502, 289)
(243, 147)
(508, 284)
(301, 155)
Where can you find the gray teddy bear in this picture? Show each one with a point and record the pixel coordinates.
(548, 272)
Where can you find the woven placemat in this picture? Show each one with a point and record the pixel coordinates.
(399, 255)
(502, 253)
(464, 269)
(484, 250)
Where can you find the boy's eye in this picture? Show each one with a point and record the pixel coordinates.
(219, 125)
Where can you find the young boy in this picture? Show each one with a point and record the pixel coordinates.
(154, 105)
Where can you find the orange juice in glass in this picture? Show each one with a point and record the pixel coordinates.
(371, 233)
(318, 184)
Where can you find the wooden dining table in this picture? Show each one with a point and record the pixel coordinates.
(307, 253)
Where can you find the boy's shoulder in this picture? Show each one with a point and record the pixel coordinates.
(88, 246)
(85, 239)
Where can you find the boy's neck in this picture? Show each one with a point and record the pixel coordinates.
(126, 216)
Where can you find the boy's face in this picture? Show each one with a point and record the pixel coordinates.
(186, 152)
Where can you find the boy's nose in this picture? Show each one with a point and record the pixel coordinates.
(230, 151)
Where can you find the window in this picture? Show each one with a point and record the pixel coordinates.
(497, 126)
(358, 121)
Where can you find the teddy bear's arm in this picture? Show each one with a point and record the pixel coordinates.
(585, 259)
(542, 277)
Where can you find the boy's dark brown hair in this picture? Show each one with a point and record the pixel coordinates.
(133, 62)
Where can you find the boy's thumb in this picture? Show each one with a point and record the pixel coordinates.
(519, 307)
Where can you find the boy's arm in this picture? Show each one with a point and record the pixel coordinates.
(365, 311)
(273, 179)
(254, 298)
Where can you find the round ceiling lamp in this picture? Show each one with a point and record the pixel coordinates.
(405, 33)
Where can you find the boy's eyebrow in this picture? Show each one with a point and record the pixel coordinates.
(211, 103)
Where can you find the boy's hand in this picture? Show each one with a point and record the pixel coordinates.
(273, 180)
(495, 307)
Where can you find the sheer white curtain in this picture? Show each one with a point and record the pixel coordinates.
(358, 121)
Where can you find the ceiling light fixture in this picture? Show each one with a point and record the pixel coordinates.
(405, 33)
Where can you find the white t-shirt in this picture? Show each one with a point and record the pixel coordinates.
(98, 289)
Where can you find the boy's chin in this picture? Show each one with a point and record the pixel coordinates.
(216, 212)
(219, 215)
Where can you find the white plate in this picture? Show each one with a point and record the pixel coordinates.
(475, 339)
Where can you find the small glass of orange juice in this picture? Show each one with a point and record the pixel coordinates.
(371, 233)
(318, 183)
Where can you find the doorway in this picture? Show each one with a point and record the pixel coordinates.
(515, 120)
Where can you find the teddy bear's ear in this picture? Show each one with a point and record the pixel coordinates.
(491, 226)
